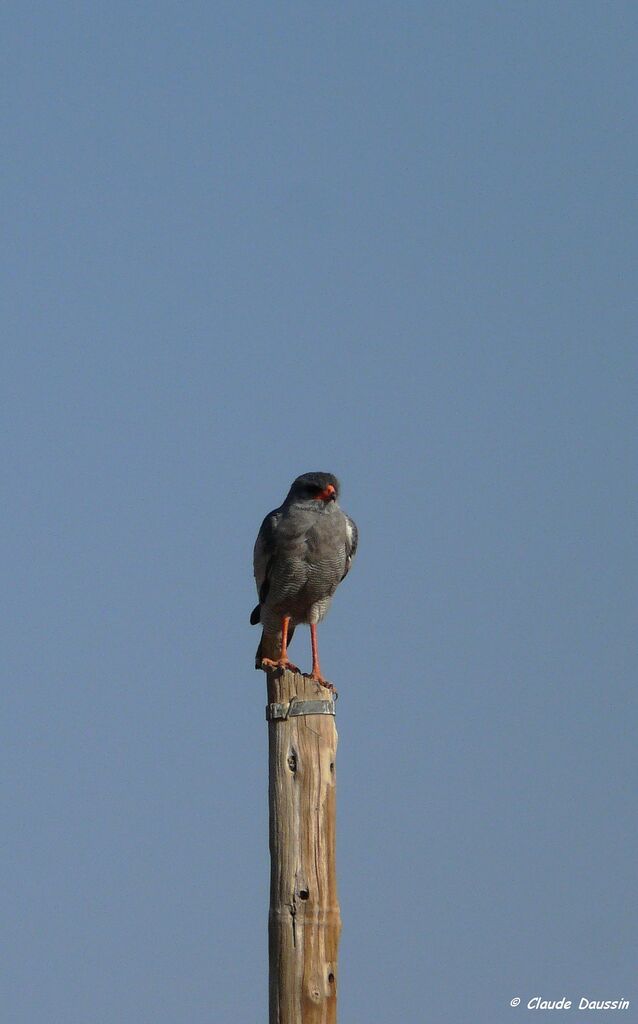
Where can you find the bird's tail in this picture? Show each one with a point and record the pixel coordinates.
(270, 645)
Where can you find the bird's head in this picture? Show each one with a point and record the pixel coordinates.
(320, 487)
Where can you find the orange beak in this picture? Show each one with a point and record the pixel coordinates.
(328, 494)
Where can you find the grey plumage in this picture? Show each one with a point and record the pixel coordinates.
(304, 549)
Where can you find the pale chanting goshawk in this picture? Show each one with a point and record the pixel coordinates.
(303, 551)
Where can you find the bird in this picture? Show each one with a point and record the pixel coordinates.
(304, 550)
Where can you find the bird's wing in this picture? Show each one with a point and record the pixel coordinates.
(352, 539)
(265, 546)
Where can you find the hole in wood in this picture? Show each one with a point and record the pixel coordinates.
(331, 977)
(332, 766)
(292, 761)
(303, 894)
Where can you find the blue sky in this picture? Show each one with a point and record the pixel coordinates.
(395, 242)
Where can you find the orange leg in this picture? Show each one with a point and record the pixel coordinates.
(316, 670)
(282, 660)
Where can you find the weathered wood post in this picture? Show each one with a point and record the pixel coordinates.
(304, 921)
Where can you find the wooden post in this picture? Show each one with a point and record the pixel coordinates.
(304, 922)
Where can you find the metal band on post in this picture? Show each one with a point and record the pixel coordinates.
(299, 707)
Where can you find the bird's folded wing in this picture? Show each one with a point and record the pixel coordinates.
(265, 547)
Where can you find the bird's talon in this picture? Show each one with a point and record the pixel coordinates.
(322, 682)
(282, 664)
